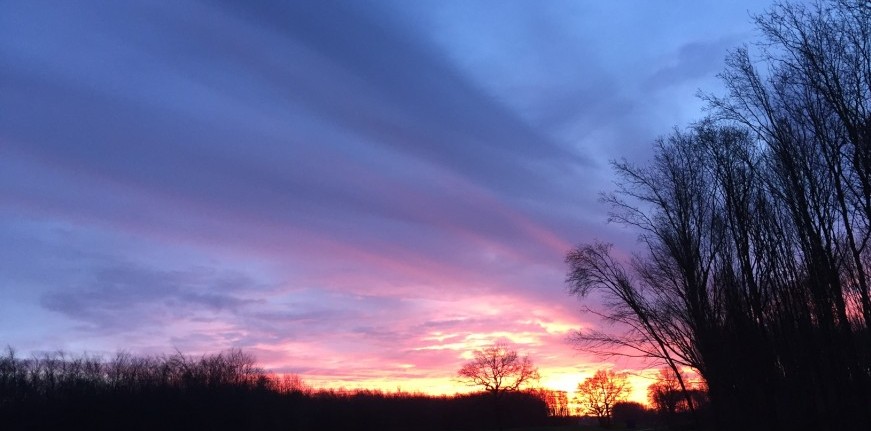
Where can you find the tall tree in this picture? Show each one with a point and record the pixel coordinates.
(755, 227)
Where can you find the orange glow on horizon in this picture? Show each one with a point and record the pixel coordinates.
(429, 362)
(552, 378)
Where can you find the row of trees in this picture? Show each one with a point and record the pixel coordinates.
(755, 268)
(221, 391)
(227, 390)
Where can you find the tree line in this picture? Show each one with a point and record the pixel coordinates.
(754, 227)
(228, 390)
(221, 391)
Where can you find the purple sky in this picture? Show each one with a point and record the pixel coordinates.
(359, 192)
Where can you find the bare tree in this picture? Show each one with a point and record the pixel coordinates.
(755, 232)
(598, 394)
(497, 369)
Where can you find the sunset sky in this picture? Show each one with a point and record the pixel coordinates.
(358, 192)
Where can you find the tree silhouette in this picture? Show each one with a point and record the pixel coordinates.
(498, 369)
(755, 233)
(598, 394)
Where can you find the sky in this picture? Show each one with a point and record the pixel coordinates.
(358, 192)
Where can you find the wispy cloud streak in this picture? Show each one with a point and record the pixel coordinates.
(353, 191)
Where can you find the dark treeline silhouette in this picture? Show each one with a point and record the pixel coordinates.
(755, 227)
(221, 391)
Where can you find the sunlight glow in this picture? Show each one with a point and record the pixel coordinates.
(553, 378)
